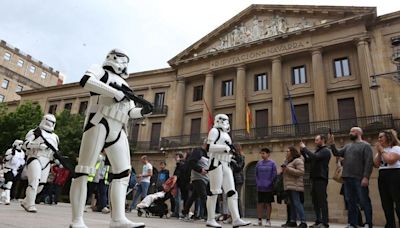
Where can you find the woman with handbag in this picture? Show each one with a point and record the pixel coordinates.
(293, 174)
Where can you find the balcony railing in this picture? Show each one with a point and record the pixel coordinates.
(160, 109)
(339, 126)
(144, 146)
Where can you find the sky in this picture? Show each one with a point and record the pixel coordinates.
(71, 35)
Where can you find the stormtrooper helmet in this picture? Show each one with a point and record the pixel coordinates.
(118, 61)
(222, 121)
(48, 123)
(18, 144)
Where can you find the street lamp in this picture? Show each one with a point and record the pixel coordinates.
(395, 75)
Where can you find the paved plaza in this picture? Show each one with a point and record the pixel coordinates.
(14, 216)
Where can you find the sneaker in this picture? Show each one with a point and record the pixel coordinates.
(259, 223)
(285, 224)
(315, 225)
(303, 225)
(105, 210)
(228, 220)
(291, 224)
(268, 223)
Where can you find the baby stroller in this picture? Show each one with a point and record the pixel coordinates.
(154, 204)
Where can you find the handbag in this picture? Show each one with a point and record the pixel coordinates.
(337, 176)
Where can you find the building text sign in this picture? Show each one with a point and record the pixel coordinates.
(261, 53)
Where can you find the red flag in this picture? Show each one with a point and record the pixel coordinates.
(210, 118)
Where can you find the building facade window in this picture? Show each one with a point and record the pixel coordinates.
(198, 93)
(227, 88)
(299, 75)
(68, 106)
(43, 75)
(19, 88)
(2, 98)
(4, 84)
(342, 67)
(20, 62)
(32, 69)
(82, 107)
(7, 56)
(260, 82)
(159, 99)
(52, 109)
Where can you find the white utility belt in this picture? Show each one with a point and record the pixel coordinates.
(112, 112)
(41, 153)
(220, 157)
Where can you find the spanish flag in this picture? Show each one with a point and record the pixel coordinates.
(248, 119)
(210, 118)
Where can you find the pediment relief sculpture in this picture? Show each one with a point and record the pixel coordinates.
(260, 28)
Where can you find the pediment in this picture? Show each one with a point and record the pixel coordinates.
(260, 22)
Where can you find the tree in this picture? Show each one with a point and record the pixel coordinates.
(15, 125)
(69, 129)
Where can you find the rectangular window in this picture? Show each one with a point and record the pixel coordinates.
(82, 107)
(2, 98)
(155, 136)
(195, 131)
(299, 75)
(53, 109)
(227, 88)
(159, 99)
(19, 88)
(20, 62)
(342, 67)
(260, 82)
(4, 84)
(68, 106)
(198, 93)
(32, 69)
(7, 56)
(43, 75)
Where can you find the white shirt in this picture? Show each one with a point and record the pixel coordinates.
(384, 165)
(145, 172)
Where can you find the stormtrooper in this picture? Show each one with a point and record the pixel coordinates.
(220, 154)
(111, 105)
(14, 161)
(40, 144)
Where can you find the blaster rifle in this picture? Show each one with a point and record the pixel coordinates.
(131, 96)
(233, 149)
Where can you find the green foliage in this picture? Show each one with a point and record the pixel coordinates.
(69, 129)
(15, 125)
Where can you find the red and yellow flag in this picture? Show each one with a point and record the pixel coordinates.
(248, 119)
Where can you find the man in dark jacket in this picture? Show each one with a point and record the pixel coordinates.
(319, 178)
(237, 165)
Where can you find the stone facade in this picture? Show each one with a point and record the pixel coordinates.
(20, 72)
(319, 59)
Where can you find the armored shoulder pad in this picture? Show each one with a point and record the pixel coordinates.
(96, 71)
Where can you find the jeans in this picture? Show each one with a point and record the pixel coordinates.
(296, 207)
(354, 193)
(389, 185)
(199, 192)
(141, 191)
(320, 203)
(102, 194)
(177, 202)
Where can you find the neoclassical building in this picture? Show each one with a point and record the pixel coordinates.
(19, 72)
(337, 66)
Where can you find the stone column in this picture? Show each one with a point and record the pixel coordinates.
(320, 96)
(240, 114)
(278, 114)
(208, 96)
(371, 104)
(179, 106)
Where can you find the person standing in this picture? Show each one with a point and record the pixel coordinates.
(319, 178)
(179, 159)
(293, 174)
(237, 166)
(357, 169)
(265, 174)
(387, 160)
(163, 175)
(61, 178)
(144, 181)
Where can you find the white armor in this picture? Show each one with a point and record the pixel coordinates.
(13, 162)
(108, 113)
(219, 172)
(39, 144)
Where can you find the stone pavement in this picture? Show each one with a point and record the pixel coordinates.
(60, 215)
